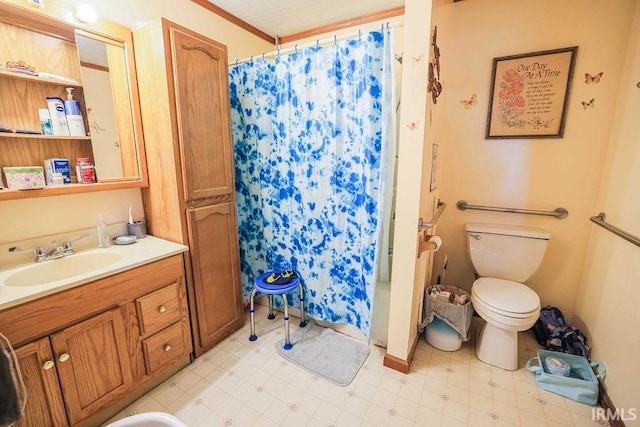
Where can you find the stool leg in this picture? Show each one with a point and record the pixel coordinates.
(287, 341)
(303, 322)
(271, 316)
(253, 336)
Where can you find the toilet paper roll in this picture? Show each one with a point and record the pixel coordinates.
(436, 240)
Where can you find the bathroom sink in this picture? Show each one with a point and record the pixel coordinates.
(62, 268)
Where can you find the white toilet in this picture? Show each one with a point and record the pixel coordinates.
(504, 256)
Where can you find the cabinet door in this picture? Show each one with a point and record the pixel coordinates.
(93, 363)
(202, 103)
(213, 245)
(44, 399)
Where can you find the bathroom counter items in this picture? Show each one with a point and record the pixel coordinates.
(30, 281)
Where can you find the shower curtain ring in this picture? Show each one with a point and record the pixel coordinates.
(335, 39)
(236, 62)
(317, 43)
(296, 48)
(359, 34)
(251, 58)
(263, 57)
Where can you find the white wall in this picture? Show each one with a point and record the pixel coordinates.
(608, 303)
(527, 173)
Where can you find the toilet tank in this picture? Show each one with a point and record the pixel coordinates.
(505, 251)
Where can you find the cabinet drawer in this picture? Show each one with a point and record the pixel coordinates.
(165, 347)
(159, 309)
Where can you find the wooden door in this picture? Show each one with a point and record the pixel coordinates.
(93, 363)
(202, 104)
(213, 244)
(45, 407)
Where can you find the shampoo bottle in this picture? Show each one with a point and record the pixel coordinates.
(103, 237)
(74, 115)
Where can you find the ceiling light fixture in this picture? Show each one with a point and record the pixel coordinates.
(86, 14)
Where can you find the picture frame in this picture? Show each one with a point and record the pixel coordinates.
(529, 94)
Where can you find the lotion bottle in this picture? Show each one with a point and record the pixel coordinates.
(103, 237)
(73, 112)
(58, 118)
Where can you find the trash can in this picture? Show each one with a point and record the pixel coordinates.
(447, 316)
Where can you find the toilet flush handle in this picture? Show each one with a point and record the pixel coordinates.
(475, 236)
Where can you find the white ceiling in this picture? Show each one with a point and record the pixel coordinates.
(286, 17)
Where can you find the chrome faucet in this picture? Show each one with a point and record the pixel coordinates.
(55, 252)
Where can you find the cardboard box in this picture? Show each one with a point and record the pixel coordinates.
(57, 165)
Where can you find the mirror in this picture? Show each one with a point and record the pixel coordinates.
(109, 112)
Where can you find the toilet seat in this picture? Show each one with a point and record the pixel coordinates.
(506, 298)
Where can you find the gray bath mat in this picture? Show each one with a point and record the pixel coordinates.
(325, 352)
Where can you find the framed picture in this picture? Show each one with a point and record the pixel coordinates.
(530, 93)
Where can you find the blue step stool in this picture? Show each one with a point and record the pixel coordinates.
(259, 285)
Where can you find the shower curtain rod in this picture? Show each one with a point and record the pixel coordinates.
(318, 42)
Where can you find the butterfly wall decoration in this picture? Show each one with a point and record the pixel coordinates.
(591, 104)
(417, 59)
(473, 101)
(589, 79)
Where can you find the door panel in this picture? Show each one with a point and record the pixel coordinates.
(44, 398)
(213, 245)
(92, 363)
(202, 103)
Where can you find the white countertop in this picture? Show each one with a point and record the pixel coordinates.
(143, 251)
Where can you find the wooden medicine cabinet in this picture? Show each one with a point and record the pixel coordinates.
(96, 61)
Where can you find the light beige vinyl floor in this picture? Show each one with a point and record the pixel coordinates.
(243, 383)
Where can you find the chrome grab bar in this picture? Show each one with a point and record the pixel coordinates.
(424, 225)
(600, 220)
(559, 213)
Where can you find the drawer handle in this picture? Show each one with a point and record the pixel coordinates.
(167, 347)
(162, 309)
(63, 357)
(48, 365)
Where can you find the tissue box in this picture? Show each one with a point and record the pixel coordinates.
(24, 177)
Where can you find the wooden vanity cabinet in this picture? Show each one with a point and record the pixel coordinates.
(184, 96)
(87, 351)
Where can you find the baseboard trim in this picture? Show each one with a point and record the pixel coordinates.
(398, 364)
(605, 401)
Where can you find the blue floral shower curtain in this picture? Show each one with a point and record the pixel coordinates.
(311, 133)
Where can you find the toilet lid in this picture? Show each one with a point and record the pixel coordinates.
(506, 295)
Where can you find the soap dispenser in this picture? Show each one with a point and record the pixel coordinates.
(73, 112)
(103, 237)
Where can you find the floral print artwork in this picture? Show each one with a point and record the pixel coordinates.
(511, 103)
(311, 132)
